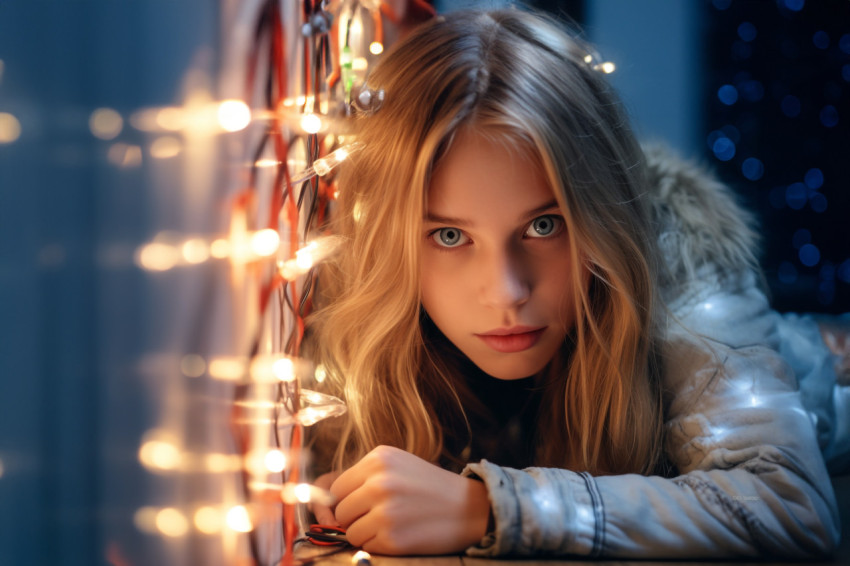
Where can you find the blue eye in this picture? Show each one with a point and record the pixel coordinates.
(449, 237)
(545, 226)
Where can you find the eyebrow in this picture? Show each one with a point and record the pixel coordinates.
(455, 221)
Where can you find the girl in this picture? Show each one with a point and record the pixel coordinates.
(549, 342)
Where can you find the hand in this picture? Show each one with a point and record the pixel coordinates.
(392, 502)
(323, 513)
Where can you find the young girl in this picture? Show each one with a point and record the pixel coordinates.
(549, 342)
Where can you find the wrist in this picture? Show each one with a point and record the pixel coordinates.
(480, 518)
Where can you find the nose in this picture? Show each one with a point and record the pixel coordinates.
(506, 280)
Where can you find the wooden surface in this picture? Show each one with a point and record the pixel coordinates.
(842, 556)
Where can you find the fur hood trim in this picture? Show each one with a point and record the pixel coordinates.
(699, 223)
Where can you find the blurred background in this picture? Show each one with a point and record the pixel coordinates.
(758, 91)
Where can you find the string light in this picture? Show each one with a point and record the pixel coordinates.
(145, 519)
(208, 520)
(265, 242)
(311, 123)
(166, 147)
(275, 461)
(171, 522)
(106, 123)
(284, 370)
(227, 368)
(10, 128)
(239, 520)
(233, 115)
(159, 455)
(361, 558)
(376, 48)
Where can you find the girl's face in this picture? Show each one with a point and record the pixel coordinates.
(495, 268)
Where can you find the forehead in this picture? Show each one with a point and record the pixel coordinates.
(480, 169)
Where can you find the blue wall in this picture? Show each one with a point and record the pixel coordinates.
(71, 410)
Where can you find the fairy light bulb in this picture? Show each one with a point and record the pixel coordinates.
(239, 520)
(157, 256)
(195, 250)
(227, 369)
(376, 48)
(320, 374)
(171, 522)
(265, 242)
(220, 248)
(10, 128)
(302, 492)
(233, 115)
(284, 370)
(105, 123)
(159, 455)
(607, 67)
(208, 520)
(304, 257)
(311, 123)
(275, 461)
(361, 558)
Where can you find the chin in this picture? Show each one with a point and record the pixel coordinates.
(510, 371)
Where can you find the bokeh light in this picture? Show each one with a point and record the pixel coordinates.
(234, 115)
(171, 522)
(239, 520)
(10, 128)
(106, 123)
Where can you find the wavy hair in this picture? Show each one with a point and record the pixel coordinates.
(523, 78)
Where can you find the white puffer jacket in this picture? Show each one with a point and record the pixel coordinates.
(755, 400)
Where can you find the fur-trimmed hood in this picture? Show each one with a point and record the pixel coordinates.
(699, 223)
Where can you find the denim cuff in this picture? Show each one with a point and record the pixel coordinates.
(540, 511)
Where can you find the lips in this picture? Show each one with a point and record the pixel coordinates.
(511, 340)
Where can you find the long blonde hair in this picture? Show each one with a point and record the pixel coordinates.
(522, 77)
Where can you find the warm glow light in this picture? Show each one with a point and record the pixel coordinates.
(358, 211)
(284, 370)
(171, 522)
(10, 128)
(208, 520)
(195, 250)
(239, 520)
(321, 373)
(157, 256)
(170, 118)
(607, 67)
(304, 257)
(159, 455)
(106, 123)
(218, 463)
(361, 558)
(275, 461)
(230, 369)
(145, 519)
(265, 242)
(588, 58)
(302, 492)
(376, 48)
(165, 147)
(266, 163)
(193, 365)
(220, 248)
(359, 64)
(311, 123)
(124, 155)
(234, 115)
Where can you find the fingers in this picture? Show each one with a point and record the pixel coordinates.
(324, 515)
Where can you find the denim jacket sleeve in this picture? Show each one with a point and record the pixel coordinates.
(751, 478)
